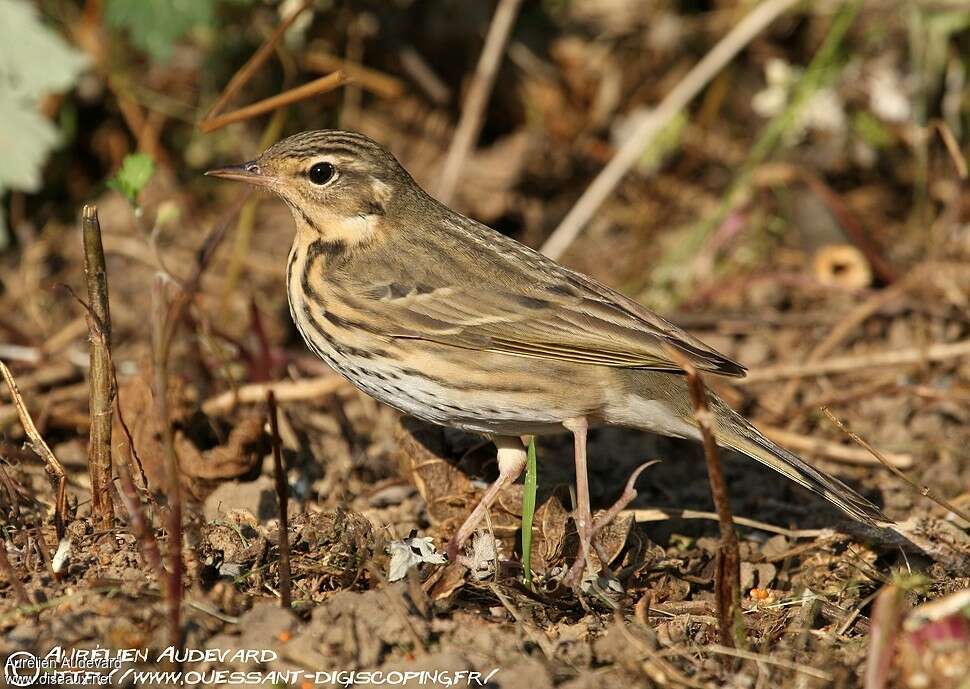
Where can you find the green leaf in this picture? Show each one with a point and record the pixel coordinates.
(155, 25)
(34, 61)
(135, 172)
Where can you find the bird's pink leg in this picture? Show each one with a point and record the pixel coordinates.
(582, 515)
(511, 462)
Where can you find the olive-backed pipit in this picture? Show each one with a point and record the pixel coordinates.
(452, 322)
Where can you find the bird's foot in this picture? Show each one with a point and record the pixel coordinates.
(587, 537)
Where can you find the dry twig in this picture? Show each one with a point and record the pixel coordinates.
(688, 87)
(380, 84)
(283, 496)
(246, 72)
(12, 578)
(952, 147)
(470, 124)
(284, 390)
(54, 468)
(280, 100)
(665, 513)
(140, 526)
(102, 390)
(727, 578)
(425, 77)
(770, 660)
(924, 491)
(830, 450)
(844, 364)
(164, 325)
(167, 316)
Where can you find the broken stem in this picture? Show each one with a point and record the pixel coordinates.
(102, 390)
(283, 495)
(727, 578)
(164, 324)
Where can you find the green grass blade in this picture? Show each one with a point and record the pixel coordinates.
(528, 510)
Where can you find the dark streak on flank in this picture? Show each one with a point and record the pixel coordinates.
(332, 249)
(314, 322)
(345, 350)
(349, 324)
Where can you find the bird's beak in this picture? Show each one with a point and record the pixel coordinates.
(247, 172)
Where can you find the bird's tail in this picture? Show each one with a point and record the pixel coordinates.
(733, 431)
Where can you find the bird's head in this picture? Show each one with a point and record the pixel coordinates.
(338, 184)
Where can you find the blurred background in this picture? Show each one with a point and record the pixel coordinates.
(806, 214)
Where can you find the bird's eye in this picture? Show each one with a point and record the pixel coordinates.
(321, 173)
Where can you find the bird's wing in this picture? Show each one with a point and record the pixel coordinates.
(566, 317)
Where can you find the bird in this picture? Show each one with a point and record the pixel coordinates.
(452, 322)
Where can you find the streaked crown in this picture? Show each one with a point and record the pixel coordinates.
(328, 177)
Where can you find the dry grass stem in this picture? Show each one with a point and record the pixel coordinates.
(164, 324)
(378, 83)
(54, 468)
(140, 526)
(284, 390)
(845, 364)
(924, 490)
(246, 72)
(9, 413)
(472, 112)
(280, 100)
(102, 392)
(952, 147)
(770, 660)
(664, 513)
(834, 451)
(424, 76)
(675, 101)
(846, 326)
(11, 575)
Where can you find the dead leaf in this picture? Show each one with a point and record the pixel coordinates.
(245, 446)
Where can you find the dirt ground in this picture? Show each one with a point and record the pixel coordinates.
(836, 270)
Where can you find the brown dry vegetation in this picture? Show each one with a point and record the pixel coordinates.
(824, 246)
